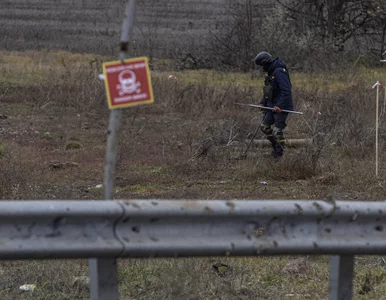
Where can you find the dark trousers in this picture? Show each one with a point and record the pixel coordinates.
(275, 135)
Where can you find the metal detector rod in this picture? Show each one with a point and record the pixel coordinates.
(244, 155)
(103, 272)
(270, 108)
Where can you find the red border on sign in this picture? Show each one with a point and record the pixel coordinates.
(110, 83)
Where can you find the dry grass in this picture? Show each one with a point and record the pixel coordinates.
(183, 146)
(198, 278)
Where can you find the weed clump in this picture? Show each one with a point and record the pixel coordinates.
(46, 136)
(72, 145)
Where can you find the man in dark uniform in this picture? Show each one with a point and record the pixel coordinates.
(277, 95)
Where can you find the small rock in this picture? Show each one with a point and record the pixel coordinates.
(263, 182)
(99, 186)
(57, 165)
(27, 287)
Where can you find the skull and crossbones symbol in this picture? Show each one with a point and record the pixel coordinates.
(128, 83)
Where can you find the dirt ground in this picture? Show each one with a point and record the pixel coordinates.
(187, 145)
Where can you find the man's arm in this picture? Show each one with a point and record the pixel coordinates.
(263, 101)
(285, 88)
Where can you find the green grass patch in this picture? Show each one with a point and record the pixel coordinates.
(37, 67)
(46, 136)
(145, 188)
(151, 170)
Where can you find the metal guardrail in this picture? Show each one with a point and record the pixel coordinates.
(175, 228)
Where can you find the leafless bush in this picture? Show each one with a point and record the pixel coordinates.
(199, 99)
(212, 124)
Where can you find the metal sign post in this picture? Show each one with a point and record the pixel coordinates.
(104, 272)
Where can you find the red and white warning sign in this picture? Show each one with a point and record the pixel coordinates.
(128, 83)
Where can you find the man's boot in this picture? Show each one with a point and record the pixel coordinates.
(279, 148)
(271, 138)
(279, 141)
(273, 144)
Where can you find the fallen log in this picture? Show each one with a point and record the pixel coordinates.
(288, 143)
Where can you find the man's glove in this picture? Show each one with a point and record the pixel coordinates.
(277, 109)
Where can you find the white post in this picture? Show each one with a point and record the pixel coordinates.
(376, 85)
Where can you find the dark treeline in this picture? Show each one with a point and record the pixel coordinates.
(309, 34)
(222, 34)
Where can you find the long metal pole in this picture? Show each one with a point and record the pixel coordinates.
(270, 108)
(376, 132)
(104, 272)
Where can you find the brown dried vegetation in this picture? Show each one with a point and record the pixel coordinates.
(187, 145)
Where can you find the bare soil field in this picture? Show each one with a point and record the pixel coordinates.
(94, 26)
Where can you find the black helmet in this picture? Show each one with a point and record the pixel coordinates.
(263, 58)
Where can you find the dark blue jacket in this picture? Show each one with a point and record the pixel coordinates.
(278, 77)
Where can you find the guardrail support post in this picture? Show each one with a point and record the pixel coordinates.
(103, 279)
(341, 277)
